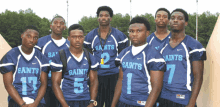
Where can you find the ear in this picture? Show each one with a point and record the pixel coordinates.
(68, 38)
(65, 27)
(110, 19)
(186, 23)
(147, 33)
(50, 26)
(22, 35)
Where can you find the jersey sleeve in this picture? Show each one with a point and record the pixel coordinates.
(7, 64)
(39, 44)
(88, 40)
(119, 58)
(94, 63)
(123, 42)
(45, 64)
(56, 64)
(197, 53)
(155, 61)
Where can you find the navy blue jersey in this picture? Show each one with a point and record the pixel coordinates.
(179, 75)
(115, 41)
(155, 42)
(74, 83)
(26, 73)
(136, 85)
(50, 49)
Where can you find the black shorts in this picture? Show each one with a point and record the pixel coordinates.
(106, 89)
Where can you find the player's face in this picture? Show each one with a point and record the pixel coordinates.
(177, 21)
(138, 34)
(162, 19)
(104, 18)
(29, 38)
(57, 26)
(76, 38)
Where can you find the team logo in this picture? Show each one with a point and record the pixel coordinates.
(109, 41)
(179, 49)
(180, 96)
(33, 63)
(138, 58)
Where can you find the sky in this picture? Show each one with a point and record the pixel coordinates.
(79, 8)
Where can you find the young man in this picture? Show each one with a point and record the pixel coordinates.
(141, 69)
(75, 90)
(106, 42)
(162, 17)
(185, 62)
(49, 46)
(24, 72)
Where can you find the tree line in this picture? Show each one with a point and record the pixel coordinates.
(12, 25)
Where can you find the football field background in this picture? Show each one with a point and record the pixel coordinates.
(209, 95)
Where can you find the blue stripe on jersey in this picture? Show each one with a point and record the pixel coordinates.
(155, 42)
(115, 41)
(136, 69)
(179, 76)
(50, 50)
(26, 74)
(75, 82)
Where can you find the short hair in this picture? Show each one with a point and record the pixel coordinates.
(105, 8)
(184, 13)
(30, 27)
(75, 26)
(142, 20)
(58, 16)
(163, 9)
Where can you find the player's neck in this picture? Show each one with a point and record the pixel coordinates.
(104, 31)
(76, 51)
(56, 37)
(177, 36)
(161, 33)
(26, 50)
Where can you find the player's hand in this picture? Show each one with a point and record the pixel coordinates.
(30, 105)
(91, 105)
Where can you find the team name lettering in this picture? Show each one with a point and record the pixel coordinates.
(52, 54)
(173, 57)
(132, 65)
(106, 47)
(78, 71)
(25, 70)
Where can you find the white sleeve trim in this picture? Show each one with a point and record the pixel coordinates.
(156, 60)
(197, 50)
(44, 65)
(87, 42)
(94, 66)
(125, 40)
(56, 65)
(37, 47)
(7, 64)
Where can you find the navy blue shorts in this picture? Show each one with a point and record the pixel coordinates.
(121, 104)
(12, 103)
(84, 103)
(168, 103)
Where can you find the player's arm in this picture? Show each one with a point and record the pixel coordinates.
(8, 79)
(197, 67)
(93, 84)
(56, 81)
(156, 78)
(118, 87)
(42, 89)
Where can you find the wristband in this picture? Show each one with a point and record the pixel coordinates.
(23, 104)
